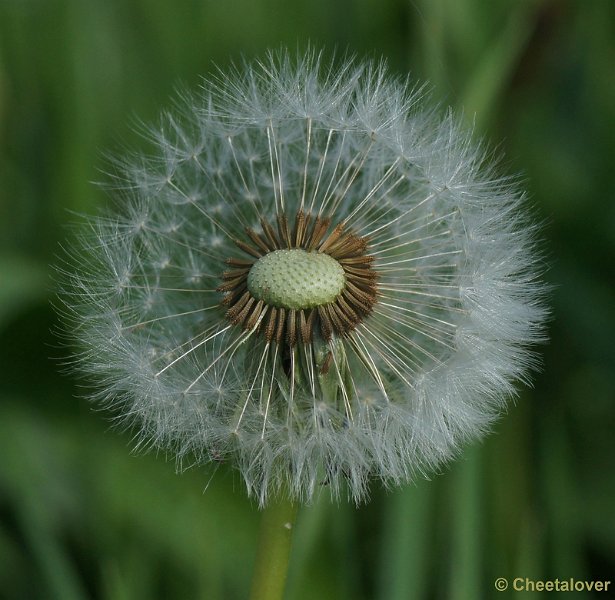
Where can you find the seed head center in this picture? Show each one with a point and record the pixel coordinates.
(296, 279)
(300, 279)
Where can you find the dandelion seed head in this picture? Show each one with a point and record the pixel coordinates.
(314, 277)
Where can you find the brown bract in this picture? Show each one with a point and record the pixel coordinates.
(313, 234)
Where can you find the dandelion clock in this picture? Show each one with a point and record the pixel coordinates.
(314, 278)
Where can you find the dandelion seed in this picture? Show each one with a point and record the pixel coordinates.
(313, 278)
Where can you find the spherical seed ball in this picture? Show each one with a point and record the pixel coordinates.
(296, 279)
(439, 307)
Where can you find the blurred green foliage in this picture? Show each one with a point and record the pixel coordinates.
(81, 517)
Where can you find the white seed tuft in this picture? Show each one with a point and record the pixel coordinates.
(433, 329)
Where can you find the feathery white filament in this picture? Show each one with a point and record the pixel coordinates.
(458, 300)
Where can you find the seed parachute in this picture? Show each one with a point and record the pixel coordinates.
(312, 276)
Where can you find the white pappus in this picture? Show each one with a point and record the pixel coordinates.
(314, 277)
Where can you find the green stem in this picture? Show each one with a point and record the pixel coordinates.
(269, 577)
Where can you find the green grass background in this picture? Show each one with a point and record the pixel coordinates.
(81, 517)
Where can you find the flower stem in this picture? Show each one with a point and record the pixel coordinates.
(269, 577)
